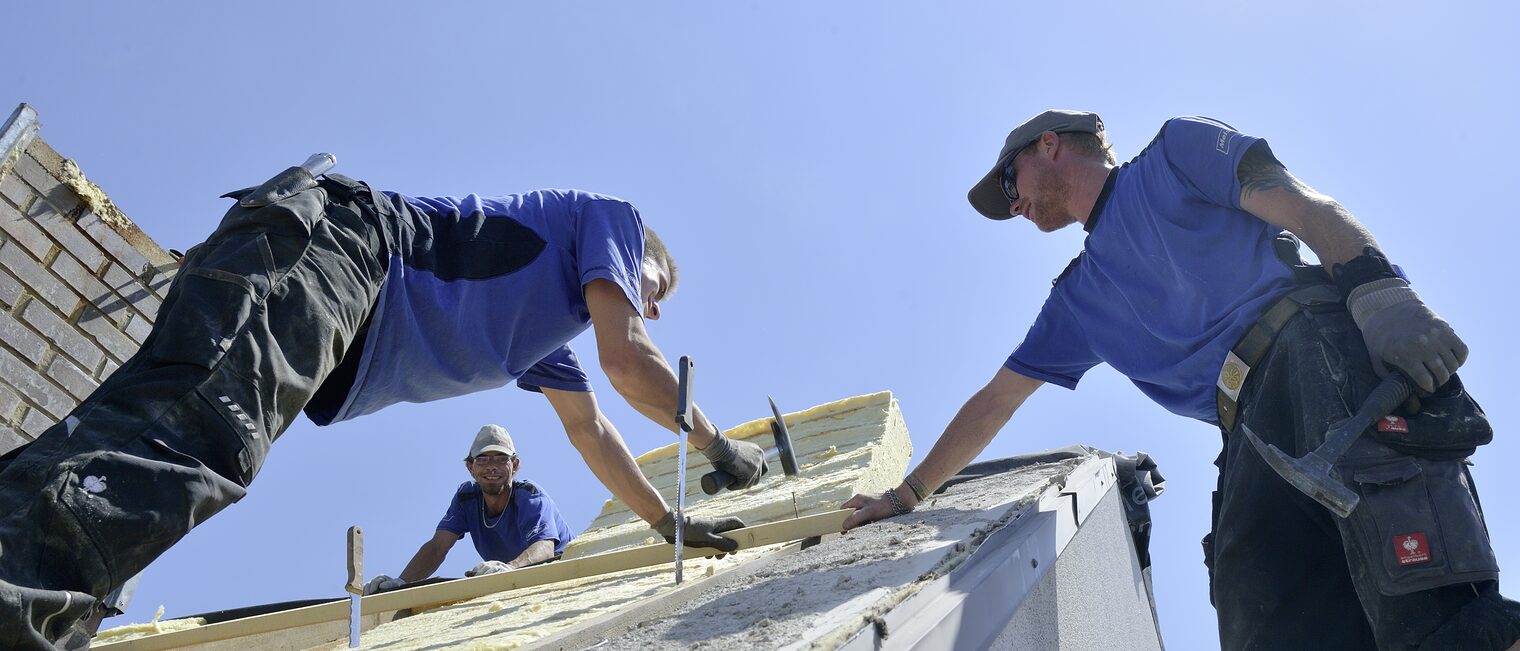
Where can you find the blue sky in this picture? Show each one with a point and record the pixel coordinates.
(807, 163)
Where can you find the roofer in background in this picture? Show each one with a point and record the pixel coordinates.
(328, 296)
(1175, 287)
(512, 522)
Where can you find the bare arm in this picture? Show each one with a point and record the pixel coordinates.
(429, 557)
(602, 447)
(965, 437)
(1270, 193)
(538, 552)
(633, 363)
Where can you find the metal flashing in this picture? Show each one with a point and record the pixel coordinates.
(20, 128)
(971, 605)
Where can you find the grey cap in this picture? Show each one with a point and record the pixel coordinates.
(492, 438)
(987, 195)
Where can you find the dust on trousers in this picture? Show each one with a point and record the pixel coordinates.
(256, 319)
(1412, 568)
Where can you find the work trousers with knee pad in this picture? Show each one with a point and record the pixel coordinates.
(1411, 568)
(255, 320)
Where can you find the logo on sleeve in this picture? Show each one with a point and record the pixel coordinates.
(1223, 143)
(1411, 549)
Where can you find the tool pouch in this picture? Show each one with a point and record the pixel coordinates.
(1418, 525)
(1450, 425)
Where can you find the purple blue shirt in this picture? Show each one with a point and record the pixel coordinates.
(530, 516)
(1172, 273)
(482, 291)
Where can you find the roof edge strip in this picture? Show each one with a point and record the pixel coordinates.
(17, 134)
(1009, 563)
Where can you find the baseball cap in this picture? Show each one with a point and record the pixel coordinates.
(987, 195)
(492, 438)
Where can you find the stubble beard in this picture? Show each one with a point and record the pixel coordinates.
(494, 488)
(1050, 209)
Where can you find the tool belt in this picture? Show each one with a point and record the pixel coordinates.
(1258, 339)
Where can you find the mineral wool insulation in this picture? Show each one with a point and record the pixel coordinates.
(855, 445)
(813, 598)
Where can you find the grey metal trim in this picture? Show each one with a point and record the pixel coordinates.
(116, 602)
(968, 607)
(17, 134)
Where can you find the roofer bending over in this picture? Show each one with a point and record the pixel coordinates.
(328, 296)
(513, 523)
(1188, 285)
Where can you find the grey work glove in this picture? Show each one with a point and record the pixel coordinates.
(488, 567)
(1403, 333)
(701, 532)
(382, 583)
(742, 459)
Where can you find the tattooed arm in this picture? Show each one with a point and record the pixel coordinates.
(1269, 192)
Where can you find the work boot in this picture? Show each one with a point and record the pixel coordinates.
(33, 619)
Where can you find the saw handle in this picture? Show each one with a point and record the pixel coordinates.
(355, 583)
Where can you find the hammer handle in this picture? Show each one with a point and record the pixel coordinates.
(1389, 394)
(715, 481)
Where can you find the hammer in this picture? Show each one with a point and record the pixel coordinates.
(1312, 473)
(717, 480)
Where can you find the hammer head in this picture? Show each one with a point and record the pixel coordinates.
(783, 442)
(1310, 475)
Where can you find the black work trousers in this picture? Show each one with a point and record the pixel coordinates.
(255, 320)
(1286, 573)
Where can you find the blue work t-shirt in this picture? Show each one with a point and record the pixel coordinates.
(1171, 274)
(481, 291)
(530, 517)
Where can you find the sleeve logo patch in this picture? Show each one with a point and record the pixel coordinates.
(1223, 143)
(1411, 549)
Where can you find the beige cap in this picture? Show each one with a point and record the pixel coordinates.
(492, 438)
(987, 195)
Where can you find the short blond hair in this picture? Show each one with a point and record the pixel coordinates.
(655, 251)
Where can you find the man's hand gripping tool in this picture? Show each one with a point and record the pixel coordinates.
(717, 480)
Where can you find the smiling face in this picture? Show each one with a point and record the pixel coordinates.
(493, 471)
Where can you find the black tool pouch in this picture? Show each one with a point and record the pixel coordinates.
(1418, 525)
(1450, 425)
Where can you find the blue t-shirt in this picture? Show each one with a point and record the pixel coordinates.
(1171, 275)
(530, 517)
(481, 291)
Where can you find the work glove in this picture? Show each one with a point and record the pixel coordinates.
(742, 459)
(382, 583)
(488, 567)
(1402, 333)
(701, 532)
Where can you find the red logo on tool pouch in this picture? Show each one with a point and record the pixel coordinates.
(1393, 424)
(1411, 549)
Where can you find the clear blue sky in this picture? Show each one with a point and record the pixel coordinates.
(807, 163)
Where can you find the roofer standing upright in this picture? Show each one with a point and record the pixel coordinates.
(1187, 285)
(327, 295)
(512, 522)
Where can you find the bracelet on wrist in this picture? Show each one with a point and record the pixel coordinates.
(917, 486)
(898, 508)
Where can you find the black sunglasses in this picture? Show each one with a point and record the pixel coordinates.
(1010, 189)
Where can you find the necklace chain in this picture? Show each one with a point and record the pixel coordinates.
(483, 520)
